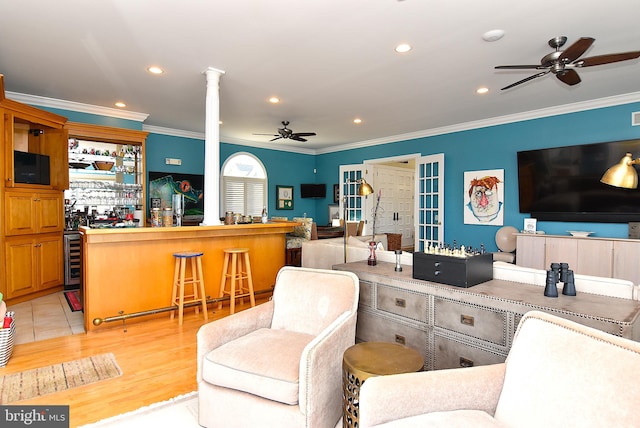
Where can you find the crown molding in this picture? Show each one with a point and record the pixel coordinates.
(77, 107)
(632, 97)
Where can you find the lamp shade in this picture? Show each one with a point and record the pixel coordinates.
(365, 188)
(622, 174)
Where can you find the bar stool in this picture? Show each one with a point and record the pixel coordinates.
(196, 281)
(236, 273)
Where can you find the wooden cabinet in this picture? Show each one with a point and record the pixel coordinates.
(605, 257)
(33, 263)
(33, 212)
(464, 327)
(32, 209)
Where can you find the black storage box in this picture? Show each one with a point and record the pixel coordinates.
(461, 272)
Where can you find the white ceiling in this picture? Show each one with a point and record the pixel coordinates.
(329, 61)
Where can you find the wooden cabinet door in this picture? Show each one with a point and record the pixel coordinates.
(560, 250)
(530, 251)
(20, 269)
(625, 260)
(50, 253)
(594, 257)
(19, 214)
(50, 213)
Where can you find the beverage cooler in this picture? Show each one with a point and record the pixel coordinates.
(72, 260)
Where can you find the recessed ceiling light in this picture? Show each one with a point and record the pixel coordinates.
(493, 35)
(357, 121)
(403, 47)
(219, 122)
(120, 104)
(155, 70)
(274, 100)
(482, 90)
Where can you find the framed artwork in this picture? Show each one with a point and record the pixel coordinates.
(334, 213)
(336, 193)
(162, 185)
(285, 197)
(484, 197)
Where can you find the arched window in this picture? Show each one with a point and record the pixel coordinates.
(244, 185)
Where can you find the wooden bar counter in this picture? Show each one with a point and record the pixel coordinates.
(131, 269)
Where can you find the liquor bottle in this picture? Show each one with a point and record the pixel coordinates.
(264, 214)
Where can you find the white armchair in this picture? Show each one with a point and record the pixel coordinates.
(279, 364)
(558, 374)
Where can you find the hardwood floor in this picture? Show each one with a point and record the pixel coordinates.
(157, 358)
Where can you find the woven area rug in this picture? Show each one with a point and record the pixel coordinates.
(180, 411)
(58, 377)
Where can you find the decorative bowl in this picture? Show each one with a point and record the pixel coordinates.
(579, 233)
(103, 165)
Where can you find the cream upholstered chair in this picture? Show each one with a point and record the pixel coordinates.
(301, 233)
(558, 374)
(279, 364)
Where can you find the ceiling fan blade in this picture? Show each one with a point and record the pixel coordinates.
(570, 77)
(270, 135)
(303, 134)
(518, 67)
(274, 139)
(542, 73)
(574, 51)
(606, 59)
(297, 138)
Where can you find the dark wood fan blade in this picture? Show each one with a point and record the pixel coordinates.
(274, 139)
(570, 77)
(297, 138)
(574, 51)
(526, 80)
(270, 135)
(518, 67)
(606, 59)
(303, 134)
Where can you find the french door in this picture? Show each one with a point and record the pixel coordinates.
(429, 203)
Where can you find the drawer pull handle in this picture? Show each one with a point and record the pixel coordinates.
(437, 264)
(400, 339)
(464, 362)
(401, 303)
(466, 320)
(436, 273)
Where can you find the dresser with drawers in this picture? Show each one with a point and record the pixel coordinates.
(464, 327)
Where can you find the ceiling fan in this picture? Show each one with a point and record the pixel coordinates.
(564, 63)
(288, 134)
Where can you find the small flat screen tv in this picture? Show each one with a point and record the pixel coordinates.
(313, 190)
(31, 168)
(563, 183)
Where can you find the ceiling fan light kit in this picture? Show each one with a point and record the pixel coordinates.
(564, 63)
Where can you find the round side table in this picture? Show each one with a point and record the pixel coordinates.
(367, 359)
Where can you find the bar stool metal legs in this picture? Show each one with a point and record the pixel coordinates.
(180, 281)
(236, 270)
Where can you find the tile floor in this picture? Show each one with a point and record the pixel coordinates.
(45, 318)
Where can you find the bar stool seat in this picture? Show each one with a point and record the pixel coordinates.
(196, 281)
(236, 273)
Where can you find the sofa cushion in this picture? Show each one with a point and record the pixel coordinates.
(303, 230)
(265, 362)
(452, 419)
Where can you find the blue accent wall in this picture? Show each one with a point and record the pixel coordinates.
(493, 147)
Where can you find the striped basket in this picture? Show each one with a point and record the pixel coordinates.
(7, 337)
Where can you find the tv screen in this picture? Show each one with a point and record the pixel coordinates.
(31, 168)
(313, 190)
(563, 183)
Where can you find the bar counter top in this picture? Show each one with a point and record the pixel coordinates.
(128, 270)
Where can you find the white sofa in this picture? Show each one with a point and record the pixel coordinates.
(324, 253)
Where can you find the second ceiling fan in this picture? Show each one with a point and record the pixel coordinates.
(564, 63)
(288, 134)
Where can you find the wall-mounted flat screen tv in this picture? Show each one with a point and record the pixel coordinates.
(313, 190)
(563, 183)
